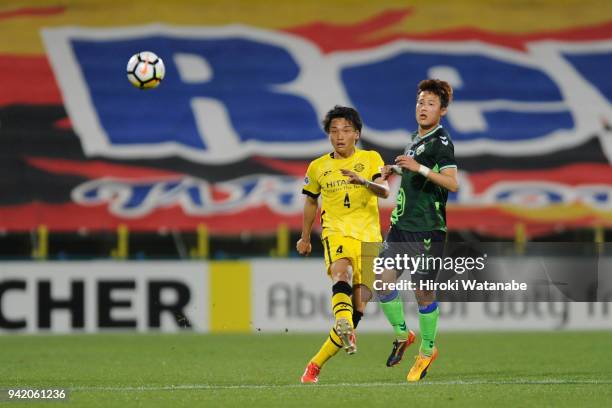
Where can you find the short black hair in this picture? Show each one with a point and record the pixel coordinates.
(437, 87)
(345, 112)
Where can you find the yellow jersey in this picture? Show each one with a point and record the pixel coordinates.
(346, 209)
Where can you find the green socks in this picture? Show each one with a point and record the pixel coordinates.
(393, 308)
(428, 323)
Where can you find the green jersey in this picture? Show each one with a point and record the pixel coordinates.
(421, 204)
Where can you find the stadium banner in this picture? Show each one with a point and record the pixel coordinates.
(225, 140)
(73, 297)
(255, 296)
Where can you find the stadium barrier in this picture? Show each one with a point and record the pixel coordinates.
(279, 245)
(257, 295)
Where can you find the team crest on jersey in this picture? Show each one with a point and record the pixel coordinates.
(419, 150)
(359, 167)
(306, 180)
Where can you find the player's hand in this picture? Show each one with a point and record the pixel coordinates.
(386, 171)
(408, 163)
(303, 247)
(353, 178)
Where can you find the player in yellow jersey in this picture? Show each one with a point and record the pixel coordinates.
(349, 182)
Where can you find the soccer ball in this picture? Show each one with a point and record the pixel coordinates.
(145, 70)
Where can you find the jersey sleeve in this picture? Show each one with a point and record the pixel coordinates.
(376, 165)
(311, 184)
(445, 154)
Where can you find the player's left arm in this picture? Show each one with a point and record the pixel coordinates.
(446, 178)
(376, 183)
(379, 186)
(445, 159)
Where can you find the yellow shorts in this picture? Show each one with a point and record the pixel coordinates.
(337, 247)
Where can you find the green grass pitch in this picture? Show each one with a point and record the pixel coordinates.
(561, 369)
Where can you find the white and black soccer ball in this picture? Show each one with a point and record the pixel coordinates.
(145, 70)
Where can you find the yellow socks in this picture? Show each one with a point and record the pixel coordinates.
(328, 349)
(342, 305)
(342, 308)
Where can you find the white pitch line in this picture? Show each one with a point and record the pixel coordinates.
(363, 385)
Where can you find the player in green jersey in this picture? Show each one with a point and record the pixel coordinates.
(429, 171)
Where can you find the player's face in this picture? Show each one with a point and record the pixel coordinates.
(428, 110)
(343, 136)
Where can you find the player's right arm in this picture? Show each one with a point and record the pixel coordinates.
(311, 189)
(310, 211)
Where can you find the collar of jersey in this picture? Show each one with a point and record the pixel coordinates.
(345, 158)
(431, 132)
